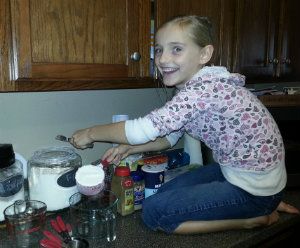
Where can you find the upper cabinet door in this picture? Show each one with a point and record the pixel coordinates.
(219, 13)
(256, 27)
(66, 41)
(288, 41)
(267, 40)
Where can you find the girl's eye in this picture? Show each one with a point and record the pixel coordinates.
(158, 50)
(177, 49)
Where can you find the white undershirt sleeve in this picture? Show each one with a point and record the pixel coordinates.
(174, 137)
(140, 131)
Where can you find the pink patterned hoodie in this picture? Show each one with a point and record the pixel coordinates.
(215, 108)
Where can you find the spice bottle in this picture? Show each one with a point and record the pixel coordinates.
(138, 188)
(122, 186)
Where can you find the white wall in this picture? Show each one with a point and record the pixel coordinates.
(31, 121)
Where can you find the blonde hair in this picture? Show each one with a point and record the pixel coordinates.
(199, 28)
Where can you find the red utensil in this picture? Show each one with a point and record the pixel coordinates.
(61, 223)
(64, 234)
(63, 228)
(100, 161)
(55, 226)
(47, 243)
(52, 237)
(104, 163)
(69, 228)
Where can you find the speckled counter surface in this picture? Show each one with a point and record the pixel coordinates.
(132, 233)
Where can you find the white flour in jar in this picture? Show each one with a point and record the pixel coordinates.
(43, 187)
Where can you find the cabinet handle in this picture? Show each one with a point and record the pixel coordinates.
(136, 56)
(286, 61)
(274, 61)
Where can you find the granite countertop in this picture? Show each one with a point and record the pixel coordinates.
(131, 233)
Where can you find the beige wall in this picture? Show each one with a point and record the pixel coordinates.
(31, 121)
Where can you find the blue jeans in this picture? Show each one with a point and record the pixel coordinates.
(203, 194)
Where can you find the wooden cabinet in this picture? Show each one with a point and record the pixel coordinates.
(280, 100)
(266, 39)
(87, 44)
(258, 38)
(51, 45)
(289, 53)
(219, 13)
(74, 44)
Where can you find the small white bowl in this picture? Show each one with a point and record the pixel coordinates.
(90, 179)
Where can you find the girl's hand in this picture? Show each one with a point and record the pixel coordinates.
(81, 139)
(116, 154)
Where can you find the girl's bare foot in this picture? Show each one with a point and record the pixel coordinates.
(287, 208)
(282, 207)
(265, 220)
(272, 218)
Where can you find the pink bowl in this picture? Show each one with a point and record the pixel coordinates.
(90, 179)
(90, 190)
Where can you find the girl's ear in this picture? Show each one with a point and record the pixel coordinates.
(206, 54)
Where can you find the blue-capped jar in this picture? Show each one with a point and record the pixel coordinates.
(138, 188)
(11, 178)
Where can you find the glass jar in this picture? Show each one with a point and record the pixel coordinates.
(94, 217)
(122, 186)
(11, 178)
(51, 176)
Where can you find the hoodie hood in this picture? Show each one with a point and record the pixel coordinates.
(209, 73)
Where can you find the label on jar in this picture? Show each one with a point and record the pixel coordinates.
(154, 178)
(67, 179)
(11, 186)
(139, 193)
(127, 183)
(128, 199)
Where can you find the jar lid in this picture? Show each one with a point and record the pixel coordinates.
(7, 155)
(55, 156)
(154, 168)
(137, 175)
(156, 160)
(122, 171)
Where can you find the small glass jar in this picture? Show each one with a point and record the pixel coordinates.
(51, 176)
(11, 178)
(122, 186)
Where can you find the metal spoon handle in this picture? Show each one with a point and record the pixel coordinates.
(65, 139)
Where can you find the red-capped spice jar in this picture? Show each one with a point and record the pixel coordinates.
(122, 186)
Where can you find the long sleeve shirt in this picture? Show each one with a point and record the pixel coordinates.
(215, 108)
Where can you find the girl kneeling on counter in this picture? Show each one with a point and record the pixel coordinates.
(245, 188)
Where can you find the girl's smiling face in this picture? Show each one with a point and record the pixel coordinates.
(177, 56)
